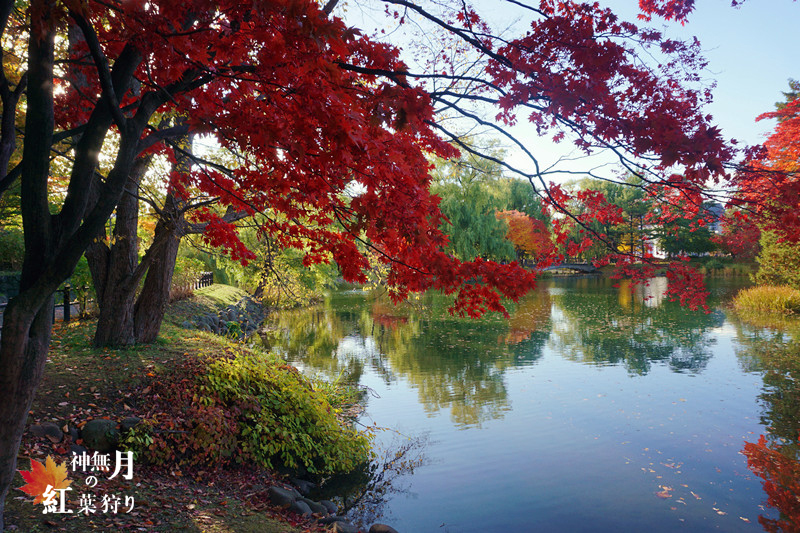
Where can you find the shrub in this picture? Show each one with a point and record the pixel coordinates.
(779, 262)
(282, 417)
(12, 248)
(247, 407)
(768, 298)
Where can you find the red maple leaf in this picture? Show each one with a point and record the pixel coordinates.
(40, 477)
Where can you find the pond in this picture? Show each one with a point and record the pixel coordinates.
(594, 408)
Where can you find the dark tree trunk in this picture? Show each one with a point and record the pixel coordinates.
(114, 269)
(55, 243)
(27, 319)
(124, 318)
(152, 302)
(26, 338)
(8, 115)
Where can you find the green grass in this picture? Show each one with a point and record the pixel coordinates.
(211, 299)
(769, 299)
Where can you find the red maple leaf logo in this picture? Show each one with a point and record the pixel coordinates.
(40, 476)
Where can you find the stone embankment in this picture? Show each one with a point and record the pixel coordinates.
(292, 497)
(238, 320)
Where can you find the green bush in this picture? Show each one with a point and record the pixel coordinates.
(779, 262)
(12, 248)
(282, 418)
(246, 407)
(768, 298)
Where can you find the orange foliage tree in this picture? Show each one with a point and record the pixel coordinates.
(530, 236)
(769, 184)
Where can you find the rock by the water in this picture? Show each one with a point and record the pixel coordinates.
(281, 497)
(100, 434)
(331, 519)
(315, 506)
(300, 507)
(330, 506)
(344, 527)
(382, 528)
(302, 485)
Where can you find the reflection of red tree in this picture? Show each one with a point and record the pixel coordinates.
(781, 475)
(382, 315)
(532, 314)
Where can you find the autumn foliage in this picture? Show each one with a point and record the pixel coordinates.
(738, 236)
(530, 236)
(769, 183)
(310, 120)
(327, 135)
(781, 475)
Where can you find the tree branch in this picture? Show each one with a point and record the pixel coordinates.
(328, 9)
(103, 70)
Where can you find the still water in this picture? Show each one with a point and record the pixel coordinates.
(594, 408)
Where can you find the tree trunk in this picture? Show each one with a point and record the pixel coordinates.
(151, 305)
(27, 319)
(114, 269)
(154, 298)
(23, 352)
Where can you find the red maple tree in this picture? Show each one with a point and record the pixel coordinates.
(769, 182)
(330, 130)
(738, 236)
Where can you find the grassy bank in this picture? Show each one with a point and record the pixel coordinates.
(211, 299)
(721, 267)
(768, 299)
(172, 384)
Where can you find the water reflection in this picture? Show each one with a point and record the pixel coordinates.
(454, 364)
(469, 371)
(775, 353)
(459, 365)
(365, 492)
(635, 327)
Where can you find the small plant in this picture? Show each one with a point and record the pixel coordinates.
(138, 439)
(233, 330)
